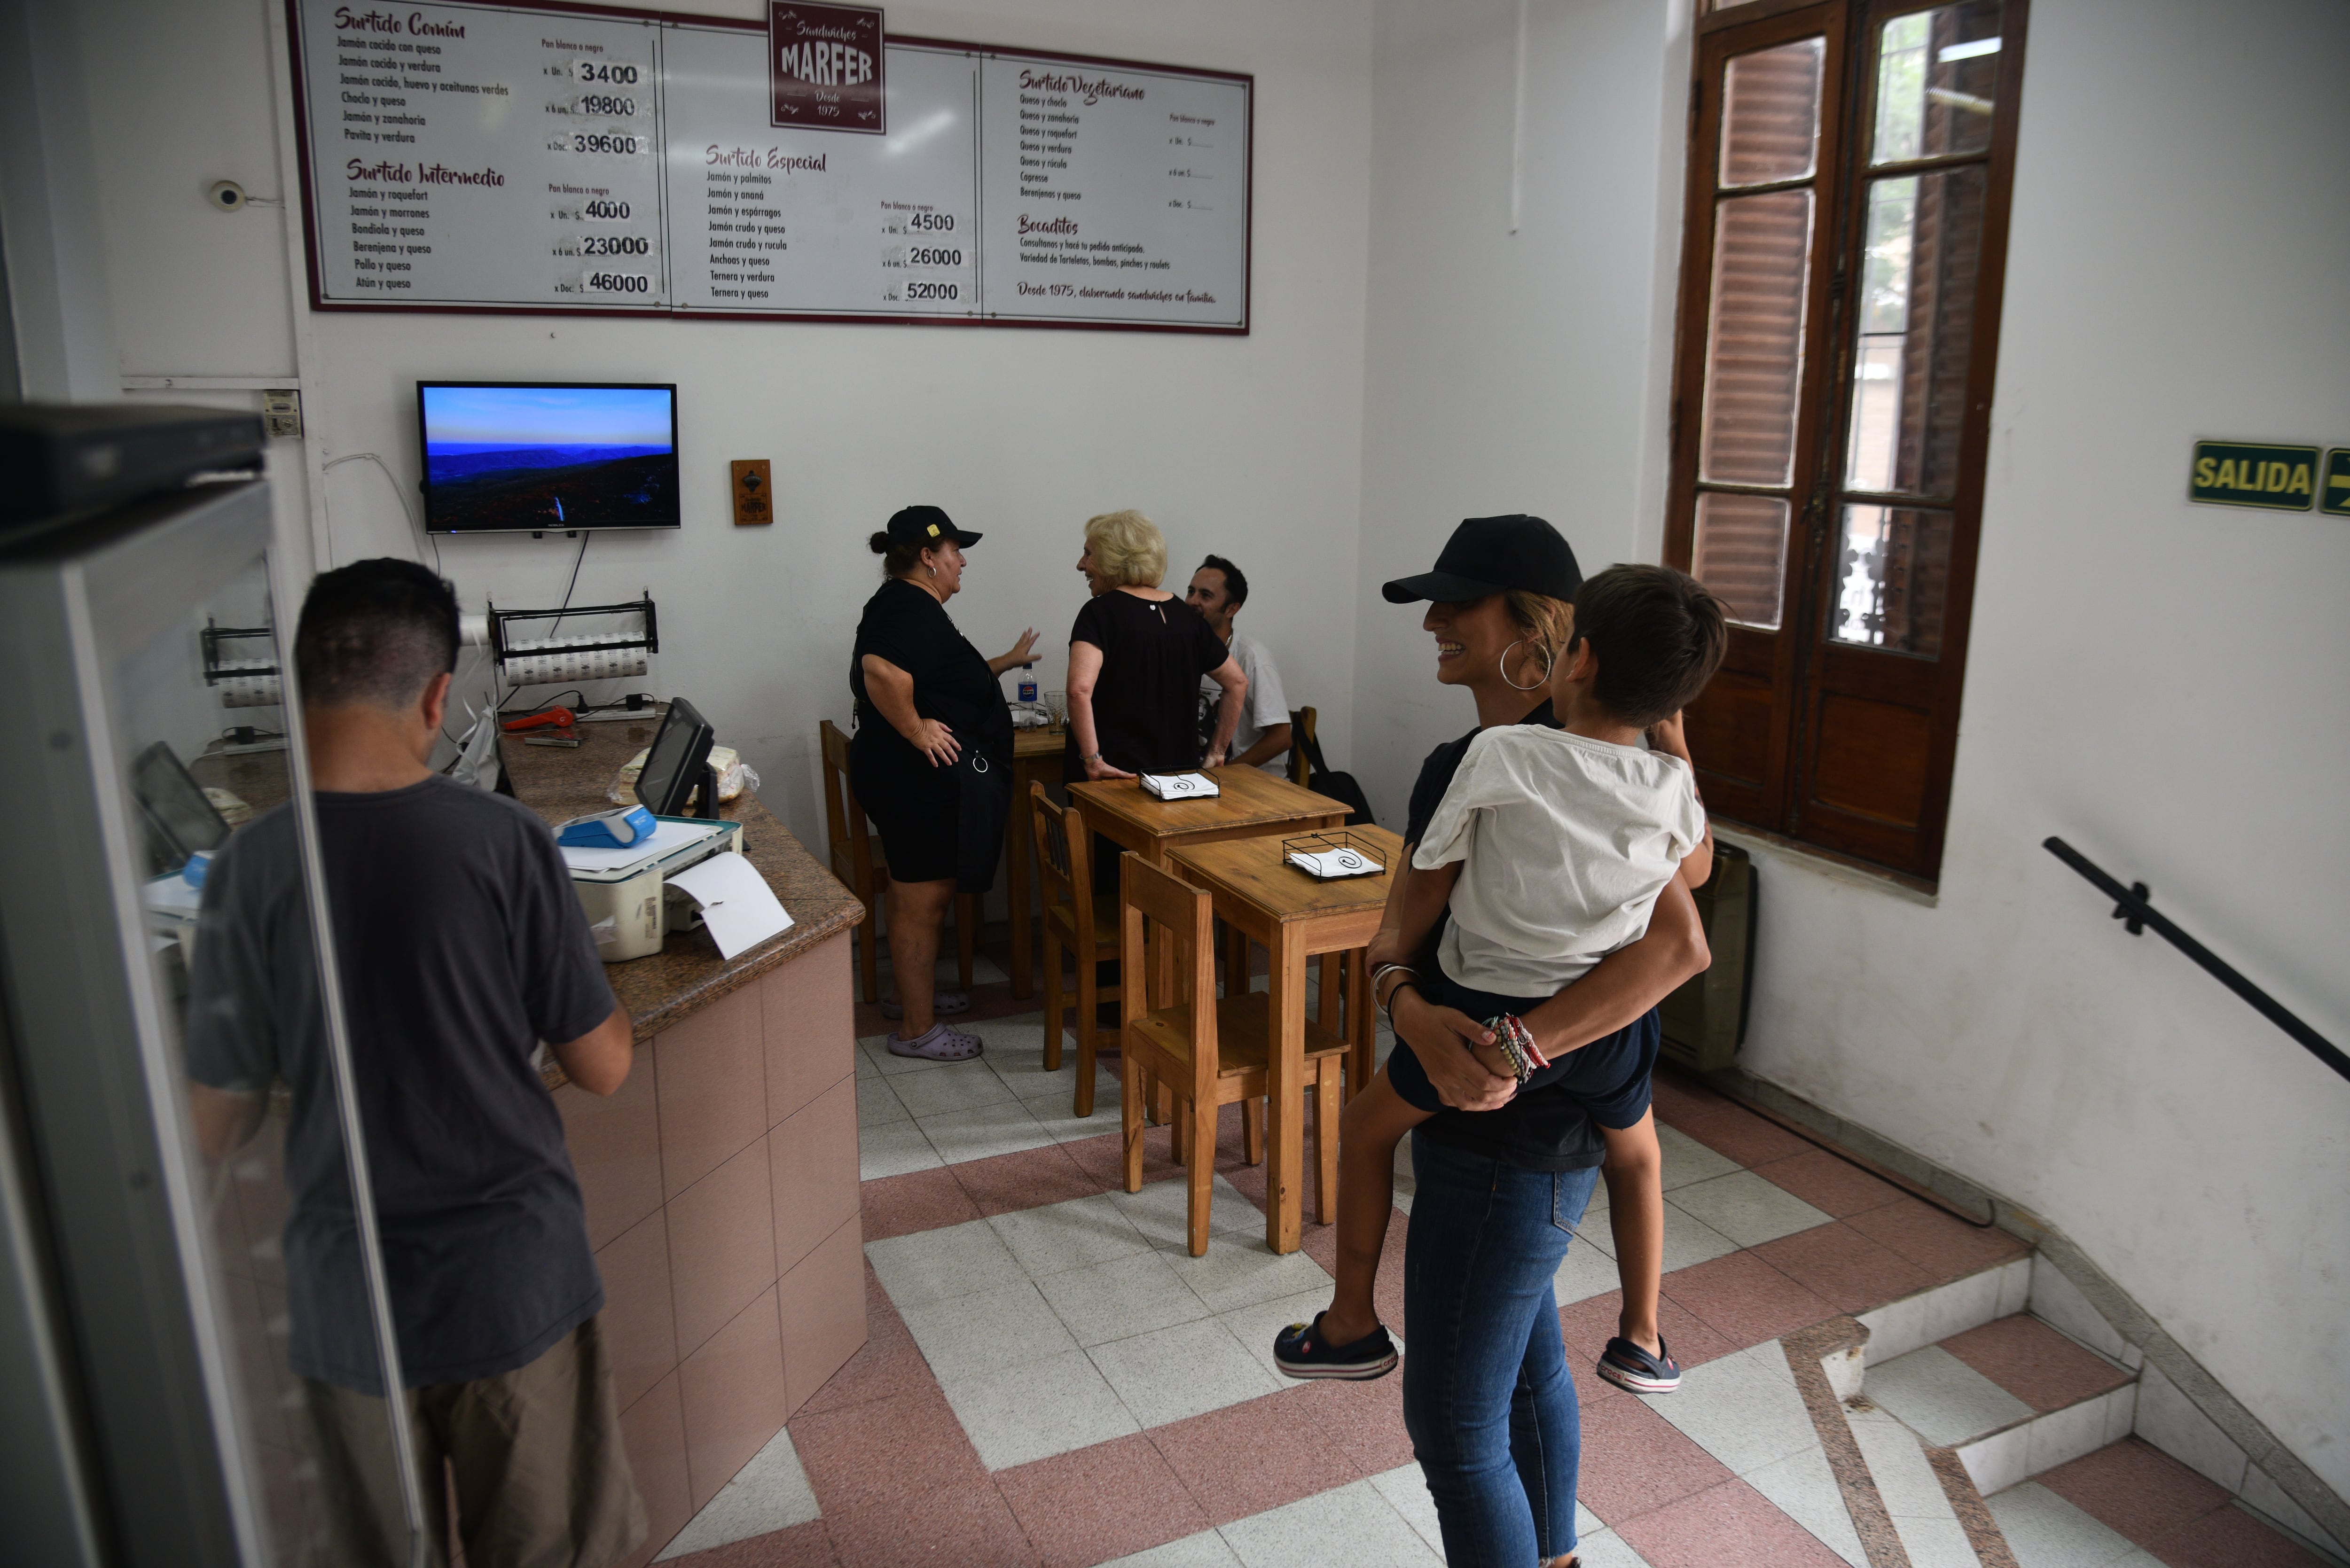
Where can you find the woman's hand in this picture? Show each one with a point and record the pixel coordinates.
(1214, 758)
(1669, 737)
(1024, 651)
(1443, 1038)
(936, 742)
(1095, 768)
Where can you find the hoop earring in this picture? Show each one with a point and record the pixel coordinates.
(1541, 680)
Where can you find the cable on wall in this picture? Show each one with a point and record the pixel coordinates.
(393, 480)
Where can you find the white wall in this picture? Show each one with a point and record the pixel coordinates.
(1250, 447)
(1509, 372)
(2158, 683)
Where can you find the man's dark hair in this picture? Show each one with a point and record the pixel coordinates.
(1235, 582)
(1659, 637)
(375, 631)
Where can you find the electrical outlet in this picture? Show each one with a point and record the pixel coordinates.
(281, 410)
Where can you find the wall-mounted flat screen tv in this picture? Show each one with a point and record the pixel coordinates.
(543, 456)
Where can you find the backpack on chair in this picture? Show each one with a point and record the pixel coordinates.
(1318, 777)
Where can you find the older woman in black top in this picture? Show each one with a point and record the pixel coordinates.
(932, 760)
(1136, 656)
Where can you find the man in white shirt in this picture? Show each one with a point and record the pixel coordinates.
(1218, 591)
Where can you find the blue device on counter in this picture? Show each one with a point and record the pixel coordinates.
(606, 829)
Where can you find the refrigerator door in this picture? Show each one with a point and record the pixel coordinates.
(155, 1160)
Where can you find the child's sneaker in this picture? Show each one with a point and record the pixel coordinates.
(1627, 1366)
(1300, 1351)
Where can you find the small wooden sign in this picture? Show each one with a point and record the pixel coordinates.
(754, 503)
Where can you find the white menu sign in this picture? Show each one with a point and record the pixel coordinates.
(502, 158)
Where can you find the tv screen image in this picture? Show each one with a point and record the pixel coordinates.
(508, 456)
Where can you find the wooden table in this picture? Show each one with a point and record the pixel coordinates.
(1296, 918)
(1253, 803)
(1035, 755)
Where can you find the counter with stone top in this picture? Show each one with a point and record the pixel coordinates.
(720, 1178)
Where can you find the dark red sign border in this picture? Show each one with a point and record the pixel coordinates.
(687, 18)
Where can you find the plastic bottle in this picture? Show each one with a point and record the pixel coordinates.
(1028, 683)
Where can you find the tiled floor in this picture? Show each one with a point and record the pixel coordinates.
(1051, 1380)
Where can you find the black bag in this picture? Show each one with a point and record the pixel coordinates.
(1337, 786)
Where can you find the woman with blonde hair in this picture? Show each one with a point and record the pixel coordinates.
(1136, 656)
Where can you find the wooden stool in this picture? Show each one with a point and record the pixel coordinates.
(1074, 926)
(1208, 1053)
(860, 864)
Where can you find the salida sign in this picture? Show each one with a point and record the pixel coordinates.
(824, 65)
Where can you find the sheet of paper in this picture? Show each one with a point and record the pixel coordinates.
(1181, 786)
(1335, 863)
(737, 905)
(666, 836)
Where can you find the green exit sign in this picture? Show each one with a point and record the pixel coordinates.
(2333, 492)
(2253, 473)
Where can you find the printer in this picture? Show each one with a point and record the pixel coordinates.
(620, 884)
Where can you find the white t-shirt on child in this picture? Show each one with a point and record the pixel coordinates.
(1568, 841)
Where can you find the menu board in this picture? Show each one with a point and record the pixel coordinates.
(540, 159)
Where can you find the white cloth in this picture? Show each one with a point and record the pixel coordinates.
(1567, 843)
(1261, 710)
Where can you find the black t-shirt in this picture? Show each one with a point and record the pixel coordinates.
(460, 946)
(1542, 1129)
(1147, 697)
(907, 626)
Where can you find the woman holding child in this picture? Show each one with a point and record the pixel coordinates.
(1548, 894)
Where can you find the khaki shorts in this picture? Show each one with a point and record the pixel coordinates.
(531, 1460)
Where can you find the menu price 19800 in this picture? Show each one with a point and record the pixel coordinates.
(489, 157)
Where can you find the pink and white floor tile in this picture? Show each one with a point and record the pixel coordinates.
(1051, 1380)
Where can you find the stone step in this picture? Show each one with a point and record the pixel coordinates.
(2011, 1398)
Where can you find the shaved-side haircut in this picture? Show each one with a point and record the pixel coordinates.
(377, 633)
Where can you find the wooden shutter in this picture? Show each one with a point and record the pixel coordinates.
(1848, 568)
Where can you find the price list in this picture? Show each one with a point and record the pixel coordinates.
(479, 157)
(1114, 193)
(457, 158)
(777, 220)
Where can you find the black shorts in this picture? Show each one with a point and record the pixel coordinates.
(916, 817)
(1608, 1079)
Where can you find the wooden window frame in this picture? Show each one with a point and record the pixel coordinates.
(1769, 703)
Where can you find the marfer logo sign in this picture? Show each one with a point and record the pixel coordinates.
(824, 66)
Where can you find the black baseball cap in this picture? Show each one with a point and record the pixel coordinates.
(920, 526)
(1489, 555)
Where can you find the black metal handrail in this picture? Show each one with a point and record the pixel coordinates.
(2132, 907)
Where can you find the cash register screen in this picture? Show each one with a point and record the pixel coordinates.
(680, 753)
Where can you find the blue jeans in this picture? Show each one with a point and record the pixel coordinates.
(1486, 1394)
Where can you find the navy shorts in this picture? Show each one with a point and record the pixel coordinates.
(1608, 1079)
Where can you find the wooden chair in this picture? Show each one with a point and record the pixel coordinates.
(1074, 925)
(858, 862)
(1208, 1053)
(1301, 733)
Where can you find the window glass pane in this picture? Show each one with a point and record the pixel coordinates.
(1937, 82)
(1754, 358)
(1916, 325)
(236, 983)
(1893, 576)
(1742, 555)
(1771, 114)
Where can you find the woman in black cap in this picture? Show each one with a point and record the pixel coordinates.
(931, 763)
(1487, 1398)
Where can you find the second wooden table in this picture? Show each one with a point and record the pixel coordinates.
(1255, 892)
